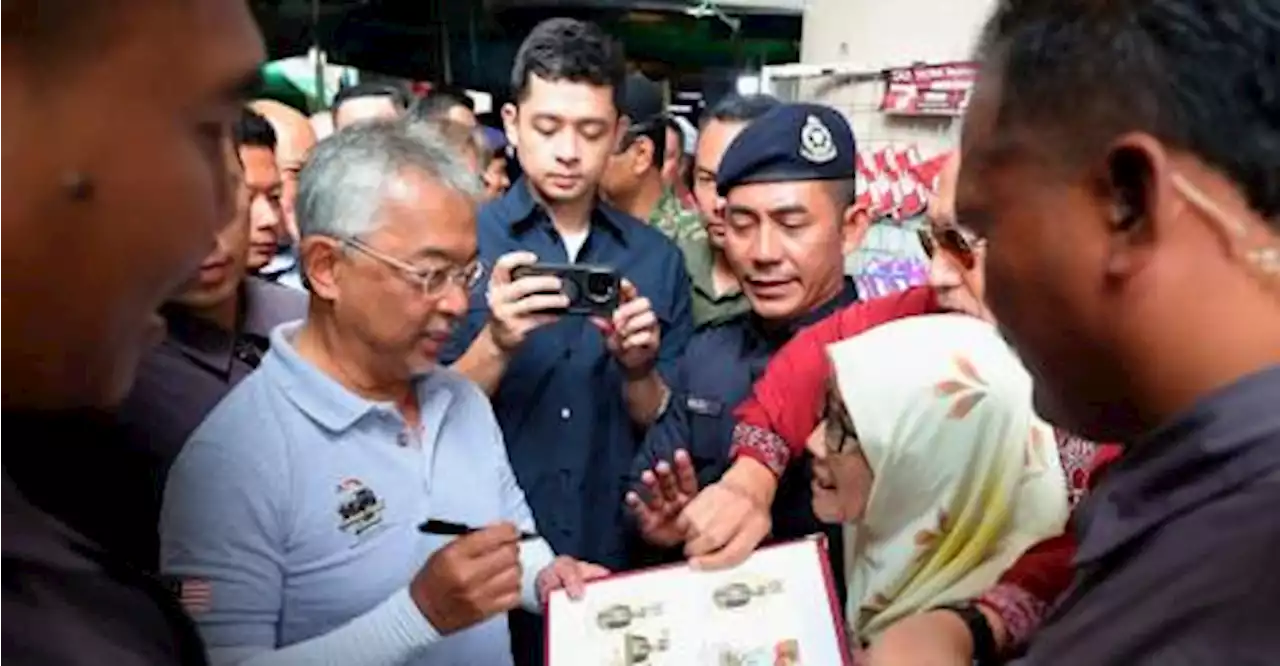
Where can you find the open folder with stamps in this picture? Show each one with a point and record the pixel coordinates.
(778, 608)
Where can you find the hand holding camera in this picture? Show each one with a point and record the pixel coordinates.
(520, 303)
(632, 333)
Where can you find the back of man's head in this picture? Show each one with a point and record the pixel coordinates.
(443, 102)
(562, 49)
(735, 108)
(366, 101)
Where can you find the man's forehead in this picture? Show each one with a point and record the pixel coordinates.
(568, 100)
(713, 140)
(764, 197)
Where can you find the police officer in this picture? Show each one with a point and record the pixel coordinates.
(790, 220)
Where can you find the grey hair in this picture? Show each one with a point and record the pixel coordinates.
(342, 186)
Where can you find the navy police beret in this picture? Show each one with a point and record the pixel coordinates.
(790, 142)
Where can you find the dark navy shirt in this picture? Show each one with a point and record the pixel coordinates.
(560, 403)
(715, 374)
(1177, 556)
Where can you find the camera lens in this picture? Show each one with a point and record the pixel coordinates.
(601, 287)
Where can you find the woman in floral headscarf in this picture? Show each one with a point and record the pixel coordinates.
(937, 464)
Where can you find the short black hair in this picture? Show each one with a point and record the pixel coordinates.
(735, 108)
(844, 192)
(563, 49)
(1191, 73)
(398, 98)
(436, 103)
(251, 129)
(656, 132)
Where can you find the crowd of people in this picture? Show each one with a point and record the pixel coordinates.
(246, 362)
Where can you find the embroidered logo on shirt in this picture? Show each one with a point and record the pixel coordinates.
(359, 508)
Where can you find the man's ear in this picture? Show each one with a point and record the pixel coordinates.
(854, 223)
(645, 152)
(1137, 201)
(319, 256)
(509, 125)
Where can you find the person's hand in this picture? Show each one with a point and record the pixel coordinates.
(470, 580)
(669, 488)
(933, 638)
(724, 524)
(517, 307)
(569, 574)
(632, 334)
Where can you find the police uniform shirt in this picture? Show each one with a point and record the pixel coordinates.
(792, 142)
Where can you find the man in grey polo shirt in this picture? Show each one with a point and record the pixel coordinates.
(291, 516)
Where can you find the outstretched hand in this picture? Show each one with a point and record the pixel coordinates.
(567, 573)
(668, 487)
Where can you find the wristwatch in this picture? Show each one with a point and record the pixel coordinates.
(984, 640)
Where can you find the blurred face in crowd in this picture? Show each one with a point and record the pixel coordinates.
(955, 254)
(563, 132)
(263, 185)
(626, 169)
(842, 476)
(294, 141)
(495, 177)
(713, 141)
(786, 242)
(401, 288)
(122, 182)
(364, 109)
(223, 268)
(673, 153)
(463, 116)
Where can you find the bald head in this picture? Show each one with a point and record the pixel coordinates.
(942, 205)
(294, 140)
(322, 124)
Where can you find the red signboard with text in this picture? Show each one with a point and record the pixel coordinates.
(929, 90)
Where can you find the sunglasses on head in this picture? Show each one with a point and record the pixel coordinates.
(950, 239)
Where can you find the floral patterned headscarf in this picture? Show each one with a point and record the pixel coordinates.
(965, 476)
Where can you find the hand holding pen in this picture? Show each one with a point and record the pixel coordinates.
(470, 579)
(447, 528)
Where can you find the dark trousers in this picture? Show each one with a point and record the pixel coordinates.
(527, 638)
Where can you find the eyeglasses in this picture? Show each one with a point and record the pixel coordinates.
(430, 280)
(841, 435)
(952, 240)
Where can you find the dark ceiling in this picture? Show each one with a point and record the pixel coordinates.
(474, 42)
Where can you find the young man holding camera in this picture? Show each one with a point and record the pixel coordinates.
(570, 392)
